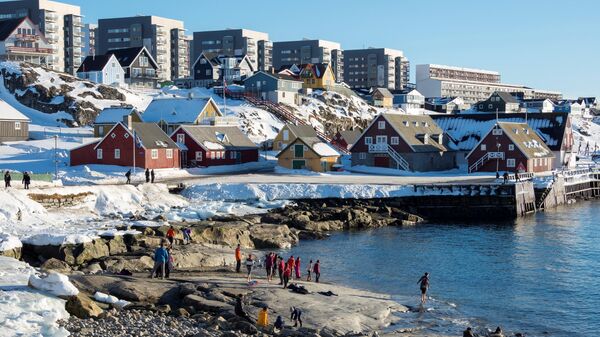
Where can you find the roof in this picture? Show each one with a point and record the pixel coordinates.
(150, 135)
(8, 113)
(176, 110)
(468, 129)
(126, 56)
(7, 27)
(224, 136)
(526, 139)
(319, 68)
(94, 63)
(113, 115)
(506, 97)
(350, 136)
(278, 76)
(321, 148)
(384, 92)
(302, 130)
(413, 128)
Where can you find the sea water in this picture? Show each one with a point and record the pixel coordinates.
(538, 275)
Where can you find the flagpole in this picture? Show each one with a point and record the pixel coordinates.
(134, 141)
(224, 97)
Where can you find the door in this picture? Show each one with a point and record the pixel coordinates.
(381, 161)
(298, 164)
(299, 151)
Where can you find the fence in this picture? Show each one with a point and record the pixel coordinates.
(18, 176)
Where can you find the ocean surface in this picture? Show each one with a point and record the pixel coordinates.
(538, 275)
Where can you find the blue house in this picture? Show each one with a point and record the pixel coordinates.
(277, 88)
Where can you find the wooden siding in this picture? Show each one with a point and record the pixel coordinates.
(9, 133)
(312, 160)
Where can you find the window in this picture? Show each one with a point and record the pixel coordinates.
(169, 153)
(395, 140)
(99, 154)
(154, 154)
(298, 150)
(198, 155)
(113, 135)
(510, 163)
(218, 154)
(117, 153)
(511, 147)
(368, 140)
(381, 125)
(212, 154)
(233, 155)
(381, 140)
(286, 135)
(181, 138)
(483, 147)
(144, 61)
(17, 125)
(362, 155)
(490, 106)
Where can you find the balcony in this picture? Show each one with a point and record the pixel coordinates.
(161, 41)
(78, 32)
(160, 32)
(51, 28)
(28, 50)
(27, 37)
(51, 17)
(77, 21)
(52, 38)
(378, 148)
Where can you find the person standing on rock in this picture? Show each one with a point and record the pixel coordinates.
(424, 285)
(296, 316)
(297, 269)
(152, 176)
(171, 235)
(317, 271)
(249, 266)
(26, 180)
(147, 175)
(308, 271)
(287, 273)
(291, 263)
(278, 326)
(238, 258)
(263, 317)
(128, 176)
(269, 266)
(170, 261)
(239, 308)
(7, 179)
(280, 268)
(161, 257)
(187, 235)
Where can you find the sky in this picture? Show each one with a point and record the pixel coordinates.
(552, 45)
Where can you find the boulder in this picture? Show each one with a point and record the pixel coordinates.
(56, 265)
(245, 327)
(15, 253)
(89, 251)
(81, 306)
(224, 234)
(359, 219)
(116, 245)
(93, 268)
(202, 304)
(182, 312)
(133, 264)
(267, 236)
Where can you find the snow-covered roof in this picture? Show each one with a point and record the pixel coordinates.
(218, 137)
(113, 115)
(8, 113)
(323, 149)
(176, 110)
(316, 144)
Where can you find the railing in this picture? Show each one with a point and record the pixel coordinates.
(378, 148)
(522, 176)
(27, 37)
(400, 161)
(25, 50)
(51, 28)
(479, 163)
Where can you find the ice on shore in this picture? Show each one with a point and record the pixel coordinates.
(54, 283)
(105, 298)
(9, 242)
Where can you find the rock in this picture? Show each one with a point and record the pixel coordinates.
(90, 251)
(54, 283)
(186, 289)
(15, 253)
(116, 245)
(202, 304)
(93, 268)
(56, 265)
(266, 236)
(225, 234)
(274, 218)
(359, 219)
(133, 264)
(165, 308)
(181, 312)
(300, 221)
(245, 327)
(81, 306)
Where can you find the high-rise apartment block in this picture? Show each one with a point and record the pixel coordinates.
(164, 38)
(62, 25)
(376, 67)
(307, 51)
(88, 47)
(235, 43)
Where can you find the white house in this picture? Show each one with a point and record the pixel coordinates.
(412, 102)
(22, 41)
(103, 69)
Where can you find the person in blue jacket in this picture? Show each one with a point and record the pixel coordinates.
(161, 257)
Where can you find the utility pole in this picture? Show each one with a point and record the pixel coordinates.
(55, 157)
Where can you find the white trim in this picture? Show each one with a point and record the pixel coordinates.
(111, 130)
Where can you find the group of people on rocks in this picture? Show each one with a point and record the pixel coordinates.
(263, 315)
(497, 333)
(26, 180)
(150, 176)
(163, 258)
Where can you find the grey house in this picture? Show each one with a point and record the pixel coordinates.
(499, 101)
(277, 88)
(13, 124)
(141, 70)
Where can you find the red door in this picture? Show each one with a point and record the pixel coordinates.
(382, 161)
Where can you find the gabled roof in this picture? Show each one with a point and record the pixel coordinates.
(150, 135)
(112, 115)
(8, 113)
(505, 96)
(7, 27)
(318, 69)
(319, 147)
(283, 76)
(176, 110)
(216, 60)
(94, 63)
(384, 92)
(350, 136)
(126, 56)
(227, 137)
(526, 139)
(302, 130)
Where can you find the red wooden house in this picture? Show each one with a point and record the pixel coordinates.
(152, 147)
(207, 145)
(512, 147)
(346, 138)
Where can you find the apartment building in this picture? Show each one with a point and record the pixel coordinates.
(235, 43)
(309, 51)
(164, 38)
(473, 85)
(22, 41)
(61, 24)
(88, 47)
(376, 67)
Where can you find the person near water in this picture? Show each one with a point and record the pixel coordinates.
(147, 175)
(7, 179)
(287, 273)
(239, 308)
(170, 261)
(424, 285)
(308, 271)
(297, 269)
(280, 268)
(26, 180)
(468, 333)
(296, 316)
(273, 265)
(269, 266)
(161, 257)
(171, 235)
(263, 317)
(238, 258)
(505, 177)
(152, 176)
(128, 176)
(249, 265)
(290, 263)
(278, 326)
(317, 271)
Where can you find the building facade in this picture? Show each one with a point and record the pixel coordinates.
(376, 67)
(235, 43)
(88, 47)
(308, 153)
(277, 88)
(61, 24)
(211, 68)
(102, 69)
(473, 85)
(14, 125)
(140, 68)
(309, 51)
(22, 41)
(164, 38)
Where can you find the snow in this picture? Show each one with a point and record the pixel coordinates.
(113, 115)
(213, 146)
(9, 242)
(175, 110)
(24, 311)
(54, 283)
(325, 150)
(7, 112)
(105, 298)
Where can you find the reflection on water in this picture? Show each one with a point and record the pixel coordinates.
(537, 275)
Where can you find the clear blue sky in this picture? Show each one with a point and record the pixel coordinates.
(551, 44)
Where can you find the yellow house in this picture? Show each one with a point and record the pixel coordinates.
(309, 153)
(289, 133)
(383, 98)
(108, 117)
(317, 76)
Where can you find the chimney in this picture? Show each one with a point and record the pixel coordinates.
(128, 121)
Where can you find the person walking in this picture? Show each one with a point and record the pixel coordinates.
(171, 235)
(296, 316)
(290, 263)
(238, 258)
(273, 265)
(269, 266)
(308, 271)
(280, 269)
(152, 176)
(161, 257)
(297, 269)
(26, 180)
(147, 175)
(263, 317)
(128, 176)
(239, 308)
(249, 266)
(317, 271)
(287, 273)
(7, 179)
(187, 235)
(170, 261)
(424, 285)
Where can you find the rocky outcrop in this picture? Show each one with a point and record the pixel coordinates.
(82, 306)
